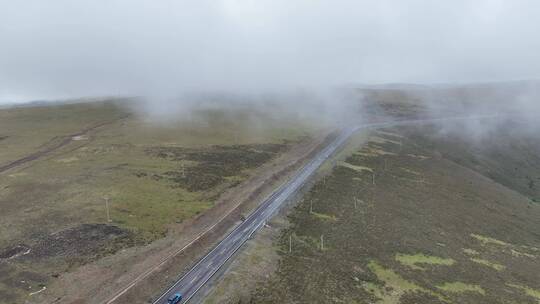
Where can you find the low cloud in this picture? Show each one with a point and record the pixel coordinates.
(165, 49)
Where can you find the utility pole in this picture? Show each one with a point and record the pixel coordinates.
(373, 177)
(107, 207)
(290, 243)
(322, 242)
(355, 203)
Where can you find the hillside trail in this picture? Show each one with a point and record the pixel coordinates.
(53, 145)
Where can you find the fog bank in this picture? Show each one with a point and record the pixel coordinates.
(163, 49)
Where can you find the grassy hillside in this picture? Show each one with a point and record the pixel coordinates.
(155, 175)
(508, 153)
(424, 230)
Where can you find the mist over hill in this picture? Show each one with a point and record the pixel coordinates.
(58, 50)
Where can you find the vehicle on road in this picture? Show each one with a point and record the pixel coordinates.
(175, 299)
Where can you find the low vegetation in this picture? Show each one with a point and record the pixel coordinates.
(487, 263)
(535, 293)
(415, 261)
(402, 240)
(488, 241)
(152, 176)
(395, 287)
(460, 287)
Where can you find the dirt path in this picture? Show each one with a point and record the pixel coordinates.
(52, 146)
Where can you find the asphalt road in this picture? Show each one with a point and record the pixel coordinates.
(203, 271)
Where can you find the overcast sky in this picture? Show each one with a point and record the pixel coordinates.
(58, 49)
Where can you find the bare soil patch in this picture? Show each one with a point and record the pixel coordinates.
(81, 243)
(26, 268)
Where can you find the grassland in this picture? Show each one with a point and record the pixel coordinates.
(415, 261)
(459, 287)
(517, 144)
(407, 218)
(154, 176)
(416, 235)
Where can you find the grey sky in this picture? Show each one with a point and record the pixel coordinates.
(66, 48)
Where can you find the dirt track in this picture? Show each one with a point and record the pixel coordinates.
(53, 146)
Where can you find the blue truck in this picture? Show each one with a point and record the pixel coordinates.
(175, 299)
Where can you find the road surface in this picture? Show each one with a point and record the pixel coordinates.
(202, 272)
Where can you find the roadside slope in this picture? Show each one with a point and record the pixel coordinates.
(424, 230)
(165, 184)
